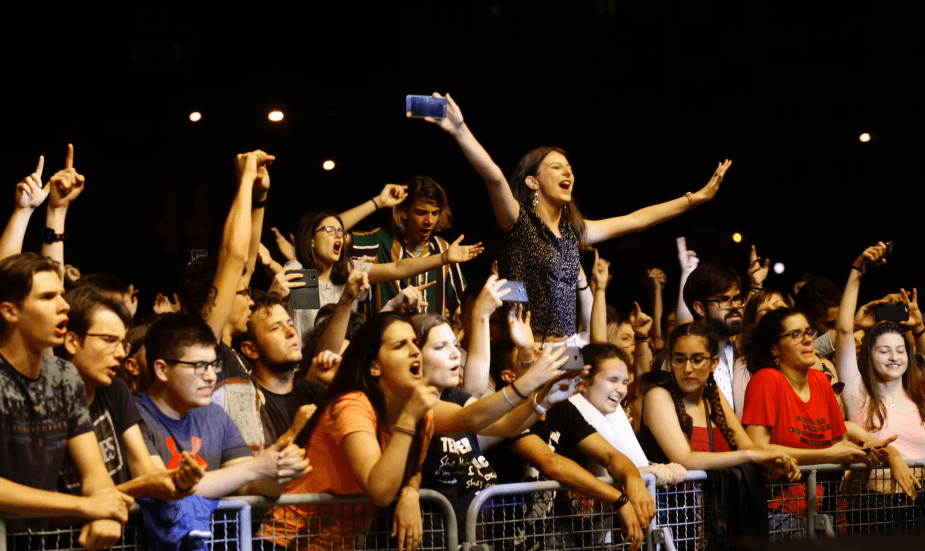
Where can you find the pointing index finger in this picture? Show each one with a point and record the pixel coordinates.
(40, 166)
(426, 286)
(69, 160)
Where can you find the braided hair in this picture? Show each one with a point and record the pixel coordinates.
(711, 392)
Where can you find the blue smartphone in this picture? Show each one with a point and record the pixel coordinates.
(418, 107)
(518, 292)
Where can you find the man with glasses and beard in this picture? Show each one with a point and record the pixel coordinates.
(713, 295)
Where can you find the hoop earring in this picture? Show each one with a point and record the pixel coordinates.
(776, 361)
(536, 199)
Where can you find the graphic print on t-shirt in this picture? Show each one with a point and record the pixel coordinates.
(177, 455)
(105, 431)
(813, 432)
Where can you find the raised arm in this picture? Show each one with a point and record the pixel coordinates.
(390, 196)
(505, 205)
(757, 273)
(236, 243)
(602, 230)
(600, 278)
(66, 185)
(642, 353)
(854, 396)
(409, 267)
(585, 305)
(657, 278)
(29, 195)
(478, 358)
(258, 209)
(334, 334)
(689, 262)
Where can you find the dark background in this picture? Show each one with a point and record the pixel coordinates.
(646, 97)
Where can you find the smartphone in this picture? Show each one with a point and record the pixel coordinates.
(305, 298)
(196, 253)
(894, 311)
(518, 292)
(866, 264)
(576, 361)
(418, 107)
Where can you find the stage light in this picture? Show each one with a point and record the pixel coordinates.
(328, 165)
(865, 137)
(275, 116)
(737, 237)
(778, 267)
(195, 116)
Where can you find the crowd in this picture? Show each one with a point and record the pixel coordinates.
(404, 375)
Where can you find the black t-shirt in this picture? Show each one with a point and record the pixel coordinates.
(278, 410)
(563, 428)
(112, 412)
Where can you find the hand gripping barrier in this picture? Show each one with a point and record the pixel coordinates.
(541, 515)
(325, 522)
(226, 521)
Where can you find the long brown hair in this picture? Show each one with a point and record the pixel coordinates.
(305, 253)
(711, 392)
(912, 378)
(529, 165)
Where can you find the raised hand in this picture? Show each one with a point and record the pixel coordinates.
(457, 253)
(489, 298)
(410, 298)
(658, 278)
(285, 280)
(544, 369)
(688, 260)
(285, 245)
(66, 184)
(757, 272)
(391, 195)
(164, 305)
(454, 117)
(357, 280)
(30, 193)
(641, 322)
(600, 273)
(916, 322)
(519, 327)
(872, 256)
(261, 183)
(709, 191)
(247, 164)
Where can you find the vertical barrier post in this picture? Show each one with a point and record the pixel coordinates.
(811, 499)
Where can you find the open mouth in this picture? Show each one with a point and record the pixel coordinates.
(416, 369)
(565, 184)
(337, 248)
(206, 390)
(61, 328)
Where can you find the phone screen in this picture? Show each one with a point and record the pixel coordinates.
(418, 107)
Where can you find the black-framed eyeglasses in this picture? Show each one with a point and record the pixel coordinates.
(680, 361)
(330, 230)
(113, 341)
(725, 303)
(248, 292)
(199, 368)
(797, 336)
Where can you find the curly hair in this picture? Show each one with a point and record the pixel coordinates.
(760, 339)
(912, 379)
(427, 188)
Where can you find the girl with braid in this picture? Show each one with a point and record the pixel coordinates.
(688, 421)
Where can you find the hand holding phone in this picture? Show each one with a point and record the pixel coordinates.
(419, 107)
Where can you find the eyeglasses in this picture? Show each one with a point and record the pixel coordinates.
(113, 341)
(199, 368)
(680, 361)
(249, 292)
(725, 303)
(797, 336)
(330, 230)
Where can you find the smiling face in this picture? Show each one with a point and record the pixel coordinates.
(625, 339)
(441, 357)
(98, 354)
(41, 317)
(799, 354)
(554, 180)
(328, 248)
(398, 364)
(692, 363)
(608, 387)
(420, 219)
(890, 357)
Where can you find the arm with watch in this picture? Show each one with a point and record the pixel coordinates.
(642, 354)
(390, 196)
(65, 186)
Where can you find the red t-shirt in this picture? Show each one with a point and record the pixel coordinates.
(771, 401)
(700, 440)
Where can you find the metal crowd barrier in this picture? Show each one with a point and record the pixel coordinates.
(542, 515)
(229, 516)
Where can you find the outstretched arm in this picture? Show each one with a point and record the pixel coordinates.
(390, 196)
(506, 207)
(29, 195)
(409, 267)
(602, 230)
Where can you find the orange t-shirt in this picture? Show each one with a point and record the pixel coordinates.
(338, 526)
